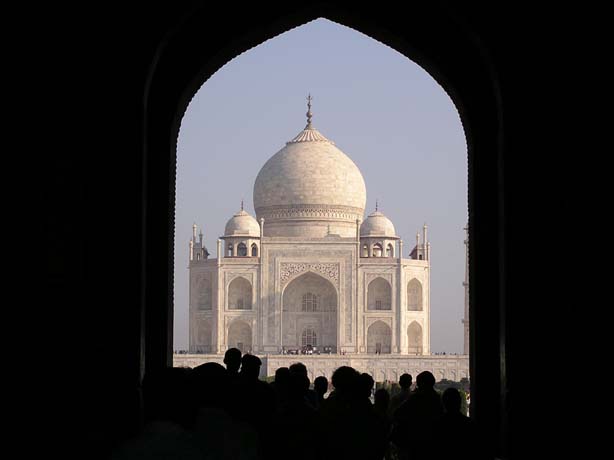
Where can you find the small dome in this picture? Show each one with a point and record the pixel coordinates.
(242, 224)
(377, 224)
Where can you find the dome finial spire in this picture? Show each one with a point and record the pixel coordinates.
(309, 114)
(376, 205)
(241, 204)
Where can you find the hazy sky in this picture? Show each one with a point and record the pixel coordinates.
(381, 109)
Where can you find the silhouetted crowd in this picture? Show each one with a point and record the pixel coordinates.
(217, 412)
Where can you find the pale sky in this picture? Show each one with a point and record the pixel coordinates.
(381, 109)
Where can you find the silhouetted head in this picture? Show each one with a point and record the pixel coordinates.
(209, 384)
(298, 368)
(425, 380)
(345, 379)
(451, 399)
(320, 385)
(366, 384)
(281, 375)
(382, 398)
(405, 381)
(298, 384)
(232, 359)
(250, 366)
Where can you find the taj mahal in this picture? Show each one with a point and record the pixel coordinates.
(310, 271)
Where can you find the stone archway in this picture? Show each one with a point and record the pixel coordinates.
(379, 338)
(414, 339)
(240, 336)
(309, 302)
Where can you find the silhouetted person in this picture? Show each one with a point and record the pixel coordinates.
(257, 403)
(214, 428)
(232, 359)
(381, 403)
(351, 429)
(414, 419)
(280, 386)
(310, 395)
(380, 407)
(297, 425)
(405, 382)
(455, 435)
(320, 386)
(366, 385)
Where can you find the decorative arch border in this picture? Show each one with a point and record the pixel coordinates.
(289, 271)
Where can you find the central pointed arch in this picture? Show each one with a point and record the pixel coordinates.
(309, 303)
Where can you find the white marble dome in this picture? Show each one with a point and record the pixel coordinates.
(377, 225)
(242, 224)
(310, 188)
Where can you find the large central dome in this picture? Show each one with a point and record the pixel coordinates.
(310, 188)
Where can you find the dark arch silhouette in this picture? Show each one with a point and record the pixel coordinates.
(184, 63)
(139, 66)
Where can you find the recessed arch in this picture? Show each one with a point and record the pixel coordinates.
(414, 295)
(240, 294)
(379, 294)
(240, 336)
(309, 302)
(204, 336)
(379, 338)
(415, 345)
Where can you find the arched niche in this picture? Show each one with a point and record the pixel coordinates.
(414, 339)
(414, 295)
(240, 336)
(240, 294)
(379, 338)
(379, 295)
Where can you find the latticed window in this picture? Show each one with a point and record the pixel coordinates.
(309, 337)
(378, 305)
(240, 305)
(310, 302)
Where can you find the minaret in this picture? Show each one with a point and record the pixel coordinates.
(193, 241)
(465, 320)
